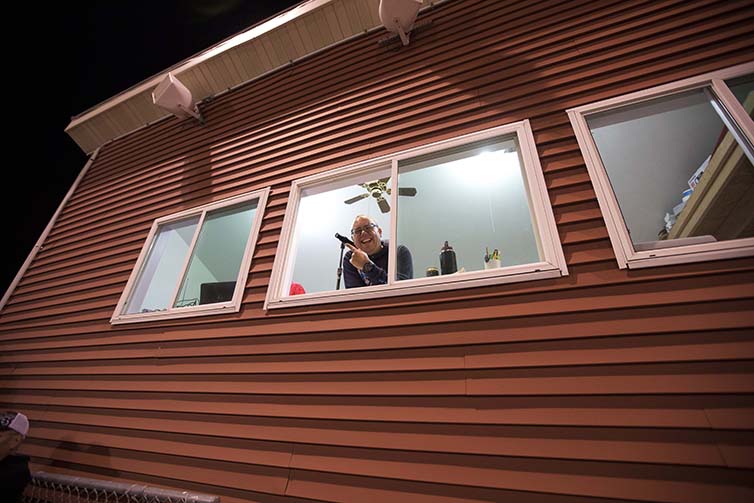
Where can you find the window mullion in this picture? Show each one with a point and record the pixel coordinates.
(546, 235)
(186, 261)
(392, 266)
(288, 242)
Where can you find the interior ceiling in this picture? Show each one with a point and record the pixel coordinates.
(301, 30)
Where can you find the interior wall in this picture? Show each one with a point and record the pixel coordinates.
(477, 204)
(157, 281)
(650, 152)
(216, 258)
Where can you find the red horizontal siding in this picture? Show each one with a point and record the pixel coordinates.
(607, 385)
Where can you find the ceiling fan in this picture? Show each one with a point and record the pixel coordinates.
(377, 189)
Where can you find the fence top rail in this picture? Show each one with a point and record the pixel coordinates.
(133, 491)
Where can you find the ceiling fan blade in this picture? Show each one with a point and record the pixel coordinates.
(383, 204)
(383, 180)
(406, 191)
(357, 198)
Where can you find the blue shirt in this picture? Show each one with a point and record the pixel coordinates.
(378, 275)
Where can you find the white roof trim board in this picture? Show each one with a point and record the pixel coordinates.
(301, 30)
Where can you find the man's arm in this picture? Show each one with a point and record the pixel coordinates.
(377, 275)
(351, 277)
(363, 264)
(405, 267)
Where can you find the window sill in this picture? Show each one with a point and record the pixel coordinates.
(687, 254)
(515, 274)
(187, 312)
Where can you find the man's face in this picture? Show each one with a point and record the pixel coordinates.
(9, 441)
(366, 234)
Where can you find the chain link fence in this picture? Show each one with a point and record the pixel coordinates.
(53, 488)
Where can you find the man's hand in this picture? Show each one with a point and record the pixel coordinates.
(358, 257)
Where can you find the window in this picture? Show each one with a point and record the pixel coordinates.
(459, 213)
(673, 168)
(742, 89)
(194, 262)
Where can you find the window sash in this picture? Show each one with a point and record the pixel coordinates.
(738, 123)
(120, 314)
(160, 253)
(553, 264)
(187, 260)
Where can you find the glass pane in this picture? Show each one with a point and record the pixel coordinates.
(159, 274)
(213, 269)
(473, 198)
(677, 172)
(743, 89)
(315, 263)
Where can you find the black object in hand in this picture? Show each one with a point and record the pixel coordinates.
(344, 240)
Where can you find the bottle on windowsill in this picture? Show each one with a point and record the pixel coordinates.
(448, 263)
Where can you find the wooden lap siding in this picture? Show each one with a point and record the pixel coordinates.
(607, 384)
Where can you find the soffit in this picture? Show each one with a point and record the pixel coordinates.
(295, 33)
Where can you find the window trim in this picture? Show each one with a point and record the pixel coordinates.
(623, 246)
(546, 233)
(234, 305)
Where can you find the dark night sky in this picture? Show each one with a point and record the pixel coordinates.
(67, 57)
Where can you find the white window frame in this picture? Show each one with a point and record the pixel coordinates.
(233, 305)
(553, 264)
(625, 253)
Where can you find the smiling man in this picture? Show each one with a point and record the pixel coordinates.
(366, 263)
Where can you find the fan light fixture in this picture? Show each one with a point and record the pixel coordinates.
(377, 189)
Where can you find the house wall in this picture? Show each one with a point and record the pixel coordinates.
(607, 383)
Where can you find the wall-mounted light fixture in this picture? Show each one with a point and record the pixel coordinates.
(173, 96)
(398, 16)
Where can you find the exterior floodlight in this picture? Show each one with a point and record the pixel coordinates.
(398, 16)
(173, 96)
